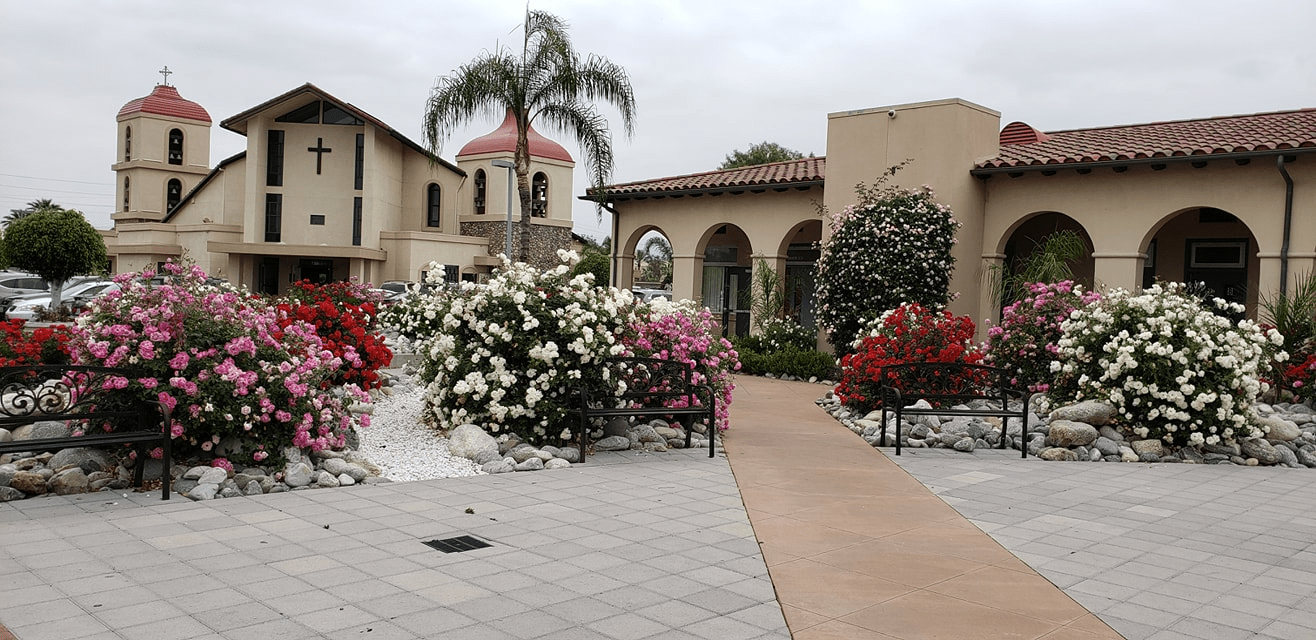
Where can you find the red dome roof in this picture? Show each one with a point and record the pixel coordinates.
(165, 101)
(503, 140)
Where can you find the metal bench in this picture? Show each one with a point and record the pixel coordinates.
(642, 387)
(87, 397)
(948, 384)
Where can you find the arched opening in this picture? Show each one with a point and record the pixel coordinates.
(127, 144)
(539, 195)
(726, 284)
(653, 261)
(175, 146)
(481, 186)
(126, 197)
(1039, 234)
(800, 247)
(173, 194)
(1208, 246)
(432, 211)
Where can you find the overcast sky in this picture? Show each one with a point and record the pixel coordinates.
(710, 76)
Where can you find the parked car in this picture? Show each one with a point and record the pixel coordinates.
(26, 307)
(647, 295)
(17, 284)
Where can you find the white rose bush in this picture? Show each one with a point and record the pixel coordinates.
(1174, 369)
(892, 247)
(509, 355)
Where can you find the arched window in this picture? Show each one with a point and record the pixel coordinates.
(480, 184)
(127, 144)
(125, 193)
(175, 146)
(539, 196)
(432, 206)
(173, 194)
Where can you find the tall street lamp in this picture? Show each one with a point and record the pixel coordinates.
(507, 244)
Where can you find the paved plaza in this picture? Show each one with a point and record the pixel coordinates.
(796, 530)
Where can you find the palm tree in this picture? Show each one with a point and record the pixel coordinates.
(548, 83)
(44, 204)
(656, 259)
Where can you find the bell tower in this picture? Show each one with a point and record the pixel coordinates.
(163, 151)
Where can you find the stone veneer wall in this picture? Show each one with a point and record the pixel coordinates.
(544, 240)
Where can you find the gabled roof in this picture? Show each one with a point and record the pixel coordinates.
(238, 123)
(803, 173)
(1228, 136)
(165, 101)
(503, 140)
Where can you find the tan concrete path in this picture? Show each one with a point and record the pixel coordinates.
(859, 549)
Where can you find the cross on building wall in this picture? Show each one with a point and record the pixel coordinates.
(319, 150)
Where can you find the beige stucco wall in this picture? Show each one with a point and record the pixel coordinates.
(148, 170)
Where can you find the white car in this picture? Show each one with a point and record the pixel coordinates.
(26, 307)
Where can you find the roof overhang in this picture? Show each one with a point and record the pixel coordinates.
(279, 249)
(1198, 159)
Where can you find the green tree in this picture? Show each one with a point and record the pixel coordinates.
(655, 257)
(595, 263)
(44, 204)
(55, 245)
(548, 83)
(761, 153)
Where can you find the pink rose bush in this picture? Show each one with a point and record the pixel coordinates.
(681, 332)
(1026, 340)
(241, 386)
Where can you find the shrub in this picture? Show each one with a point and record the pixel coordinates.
(680, 332)
(44, 345)
(596, 263)
(1025, 341)
(344, 316)
(908, 333)
(1175, 369)
(800, 363)
(892, 247)
(509, 355)
(235, 379)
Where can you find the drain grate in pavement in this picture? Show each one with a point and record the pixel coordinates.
(458, 544)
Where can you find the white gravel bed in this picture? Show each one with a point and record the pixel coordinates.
(404, 448)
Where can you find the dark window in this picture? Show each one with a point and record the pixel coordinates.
(356, 222)
(360, 160)
(306, 114)
(126, 199)
(317, 219)
(127, 144)
(432, 206)
(334, 114)
(175, 146)
(480, 184)
(274, 159)
(451, 273)
(539, 196)
(273, 217)
(173, 194)
(267, 275)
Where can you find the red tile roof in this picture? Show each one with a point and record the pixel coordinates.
(503, 140)
(807, 171)
(1246, 134)
(165, 101)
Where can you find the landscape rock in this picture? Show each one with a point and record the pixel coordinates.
(472, 442)
(612, 443)
(1089, 412)
(1280, 429)
(1262, 451)
(69, 482)
(1068, 433)
(1148, 447)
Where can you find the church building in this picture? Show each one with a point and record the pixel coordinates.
(322, 192)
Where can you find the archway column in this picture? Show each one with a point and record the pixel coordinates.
(688, 278)
(1301, 266)
(1118, 270)
(624, 270)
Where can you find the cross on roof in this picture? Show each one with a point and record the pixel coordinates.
(165, 72)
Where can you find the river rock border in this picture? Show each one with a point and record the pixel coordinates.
(1088, 431)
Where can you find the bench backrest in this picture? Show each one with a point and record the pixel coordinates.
(650, 380)
(947, 383)
(71, 392)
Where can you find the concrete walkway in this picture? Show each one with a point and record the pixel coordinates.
(858, 549)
